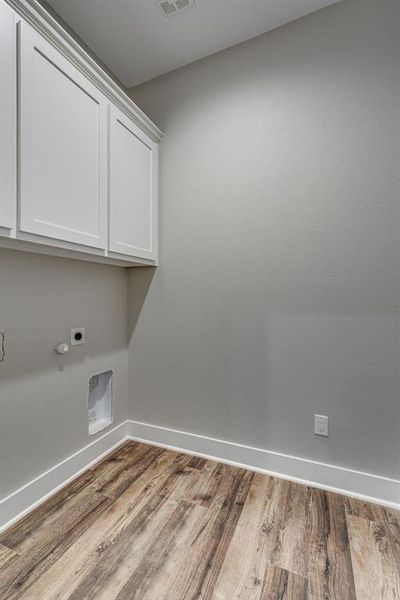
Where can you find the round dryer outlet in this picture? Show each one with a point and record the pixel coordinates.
(78, 336)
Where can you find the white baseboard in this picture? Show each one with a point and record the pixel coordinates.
(17, 504)
(357, 484)
(365, 486)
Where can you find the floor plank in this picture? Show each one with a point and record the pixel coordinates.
(385, 518)
(248, 555)
(375, 573)
(8, 557)
(291, 546)
(280, 584)
(330, 568)
(391, 521)
(272, 530)
(203, 559)
(153, 524)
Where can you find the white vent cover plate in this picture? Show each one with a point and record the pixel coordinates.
(172, 7)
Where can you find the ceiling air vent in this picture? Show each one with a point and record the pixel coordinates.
(173, 7)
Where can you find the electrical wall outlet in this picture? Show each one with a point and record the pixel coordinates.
(78, 336)
(321, 425)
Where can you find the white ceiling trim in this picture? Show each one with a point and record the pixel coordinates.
(34, 14)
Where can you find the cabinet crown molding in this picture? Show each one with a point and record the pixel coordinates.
(33, 13)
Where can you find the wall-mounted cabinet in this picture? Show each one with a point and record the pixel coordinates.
(8, 117)
(79, 161)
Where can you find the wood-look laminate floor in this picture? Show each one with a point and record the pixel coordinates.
(152, 524)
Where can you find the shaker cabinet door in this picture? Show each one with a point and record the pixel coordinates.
(133, 189)
(63, 147)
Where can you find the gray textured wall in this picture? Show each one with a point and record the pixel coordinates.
(278, 291)
(43, 397)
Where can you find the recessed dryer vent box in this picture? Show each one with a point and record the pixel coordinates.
(100, 401)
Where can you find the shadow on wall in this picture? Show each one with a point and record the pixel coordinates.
(138, 288)
(43, 297)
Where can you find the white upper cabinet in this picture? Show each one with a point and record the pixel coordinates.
(78, 159)
(133, 189)
(8, 123)
(63, 147)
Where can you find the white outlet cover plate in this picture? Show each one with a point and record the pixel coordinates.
(82, 331)
(321, 425)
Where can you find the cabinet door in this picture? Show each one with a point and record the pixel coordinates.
(63, 147)
(8, 123)
(133, 189)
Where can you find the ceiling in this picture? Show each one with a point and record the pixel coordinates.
(136, 42)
